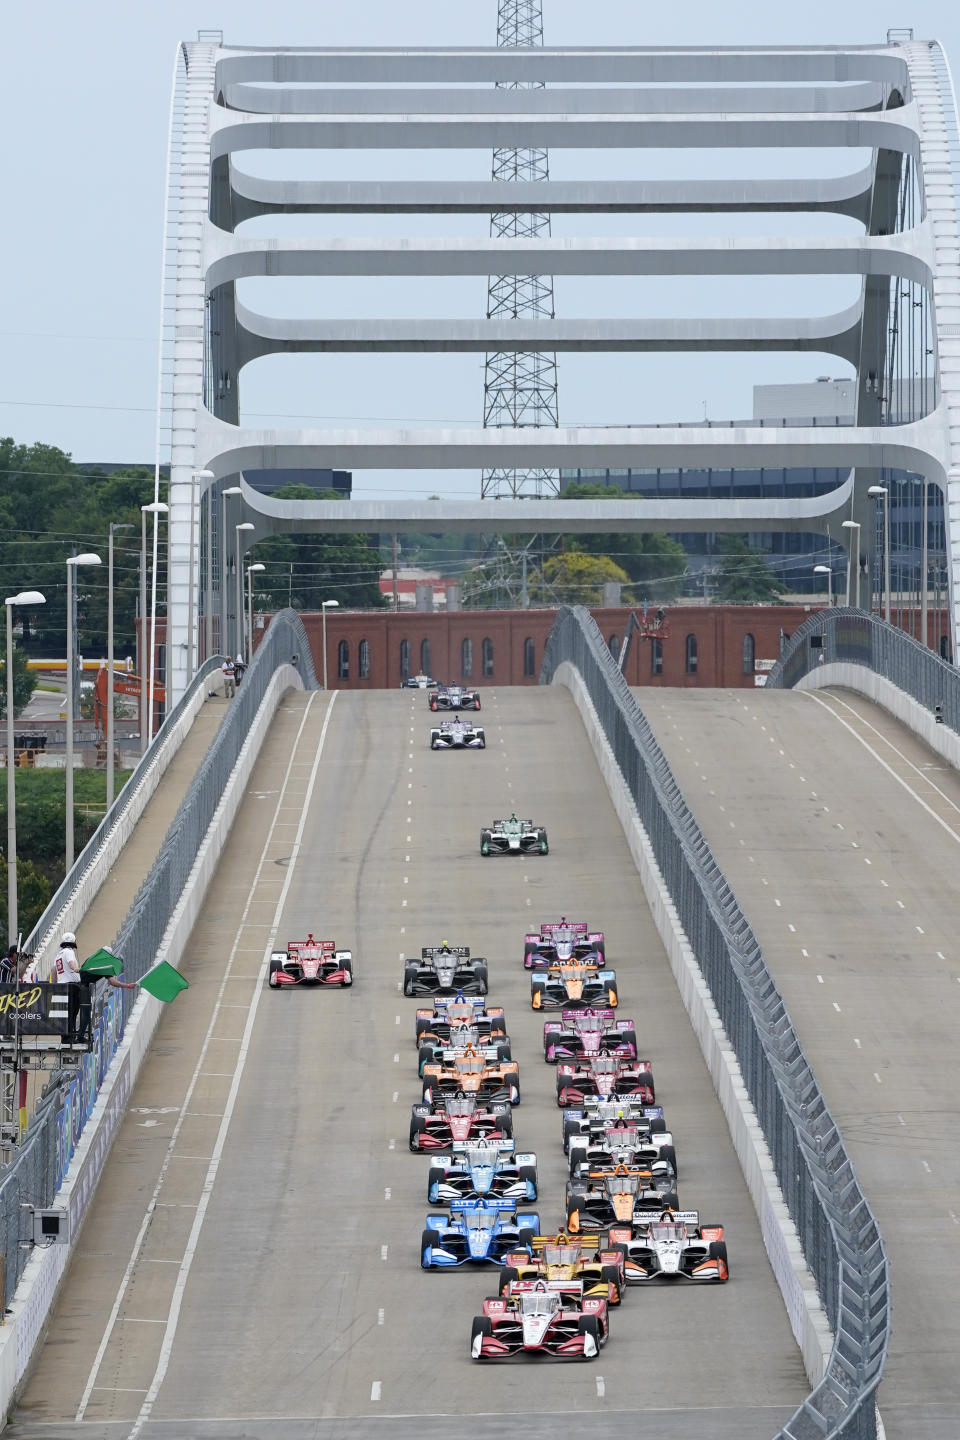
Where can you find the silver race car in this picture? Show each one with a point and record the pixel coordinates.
(454, 697)
(514, 837)
(445, 968)
(457, 734)
(671, 1245)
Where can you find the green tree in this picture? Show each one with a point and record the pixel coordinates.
(745, 578)
(577, 579)
(24, 682)
(304, 570)
(655, 563)
(33, 895)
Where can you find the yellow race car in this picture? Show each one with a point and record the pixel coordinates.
(568, 1257)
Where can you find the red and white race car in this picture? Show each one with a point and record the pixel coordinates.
(541, 1317)
(311, 962)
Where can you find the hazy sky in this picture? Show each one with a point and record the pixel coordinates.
(85, 103)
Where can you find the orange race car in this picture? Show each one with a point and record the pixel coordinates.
(474, 1070)
(576, 985)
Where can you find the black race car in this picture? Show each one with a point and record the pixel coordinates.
(445, 969)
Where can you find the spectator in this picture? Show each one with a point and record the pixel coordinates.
(239, 666)
(8, 967)
(229, 679)
(28, 970)
(66, 971)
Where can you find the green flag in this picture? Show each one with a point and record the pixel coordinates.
(103, 962)
(163, 981)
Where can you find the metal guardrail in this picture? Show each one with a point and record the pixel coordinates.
(852, 637)
(33, 1175)
(838, 1232)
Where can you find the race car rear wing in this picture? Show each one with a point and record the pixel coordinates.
(573, 927)
(310, 949)
(690, 1219)
(480, 1052)
(465, 1206)
(585, 1240)
(430, 952)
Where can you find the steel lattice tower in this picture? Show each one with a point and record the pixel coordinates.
(520, 388)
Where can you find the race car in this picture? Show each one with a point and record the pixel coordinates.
(451, 1118)
(445, 968)
(454, 697)
(460, 1038)
(457, 734)
(514, 837)
(582, 1034)
(594, 1116)
(474, 1169)
(472, 1071)
(606, 1076)
(618, 1195)
(541, 1317)
(561, 942)
(418, 682)
(573, 986)
(449, 1013)
(476, 1232)
(310, 962)
(620, 1144)
(567, 1257)
(672, 1245)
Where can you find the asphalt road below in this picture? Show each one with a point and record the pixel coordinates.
(250, 1265)
(840, 833)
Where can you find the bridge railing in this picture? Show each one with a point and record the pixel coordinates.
(36, 1171)
(846, 636)
(838, 1232)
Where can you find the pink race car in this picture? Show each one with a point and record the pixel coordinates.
(561, 942)
(310, 962)
(579, 1035)
(541, 1317)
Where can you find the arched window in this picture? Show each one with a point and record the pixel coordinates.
(343, 660)
(404, 659)
(466, 658)
(613, 645)
(656, 656)
(424, 657)
(363, 660)
(691, 655)
(749, 654)
(487, 656)
(945, 647)
(529, 657)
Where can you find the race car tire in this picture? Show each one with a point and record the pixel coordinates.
(658, 1126)
(528, 1174)
(426, 1055)
(477, 704)
(536, 995)
(503, 1050)
(275, 965)
(506, 1126)
(434, 744)
(544, 847)
(427, 1092)
(484, 842)
(529, 948)
(424, 1023)
(481, 977)
(347, 967)
(667, 1152)
(573, 1211)
(418, 1125)
(670, 1201)
(508, 1274)
(718, 1250)
(515, 1092)
(610, 1275)
(482, 1326)
(433, 703)
(435, 1176)
(481, 742)
(570, 1127)
(409, 979)
(629, 1037)
(613, 999)
(590, 1325)
(427, 1240)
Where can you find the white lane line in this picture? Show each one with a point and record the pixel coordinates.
(407, 859)
(396, 1096)
(406, 880)
(396, 1020)
(940, 955)
(403, 929)
(601, 1387)
(885, 884)
(396, 1059)
(391, 1144)
(386, 1193)
(805, 954)
(375, 1390)
(836, 1007)
(383, 1251)
(173, 1314)
(778, 904)
(901, 904)
(953, 1217)
(792, 928)
(408, 839)
(877, 1078)
(866, 861)
(926, 1167)
(858, 1045)
(402, 903)
(901, 1119)
(819, 979)
(919, 929)
(380, 1317)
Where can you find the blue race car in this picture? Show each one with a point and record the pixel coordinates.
(476, 1232)
(482, 1168)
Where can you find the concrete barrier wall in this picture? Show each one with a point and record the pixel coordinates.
(916, 717)
(797, 1285)
(37, 1290)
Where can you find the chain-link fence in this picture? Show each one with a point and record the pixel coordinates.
(35, 1172)
(849, 636)
(839, 1234)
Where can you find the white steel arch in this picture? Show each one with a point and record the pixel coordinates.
(895, 100)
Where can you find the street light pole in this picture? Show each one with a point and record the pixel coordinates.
(113, 527)
(244, 525)
(145, 665)
(924, 567)
(225, 495)
(26, 597)
(251, 571)
(828, 571)
(192, 619)
(854, 526)
(72, 563)
(326, 605)
(881, 492)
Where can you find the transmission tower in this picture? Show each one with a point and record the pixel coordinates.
(520, 389)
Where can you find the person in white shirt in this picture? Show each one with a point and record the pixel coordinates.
(66, 971)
